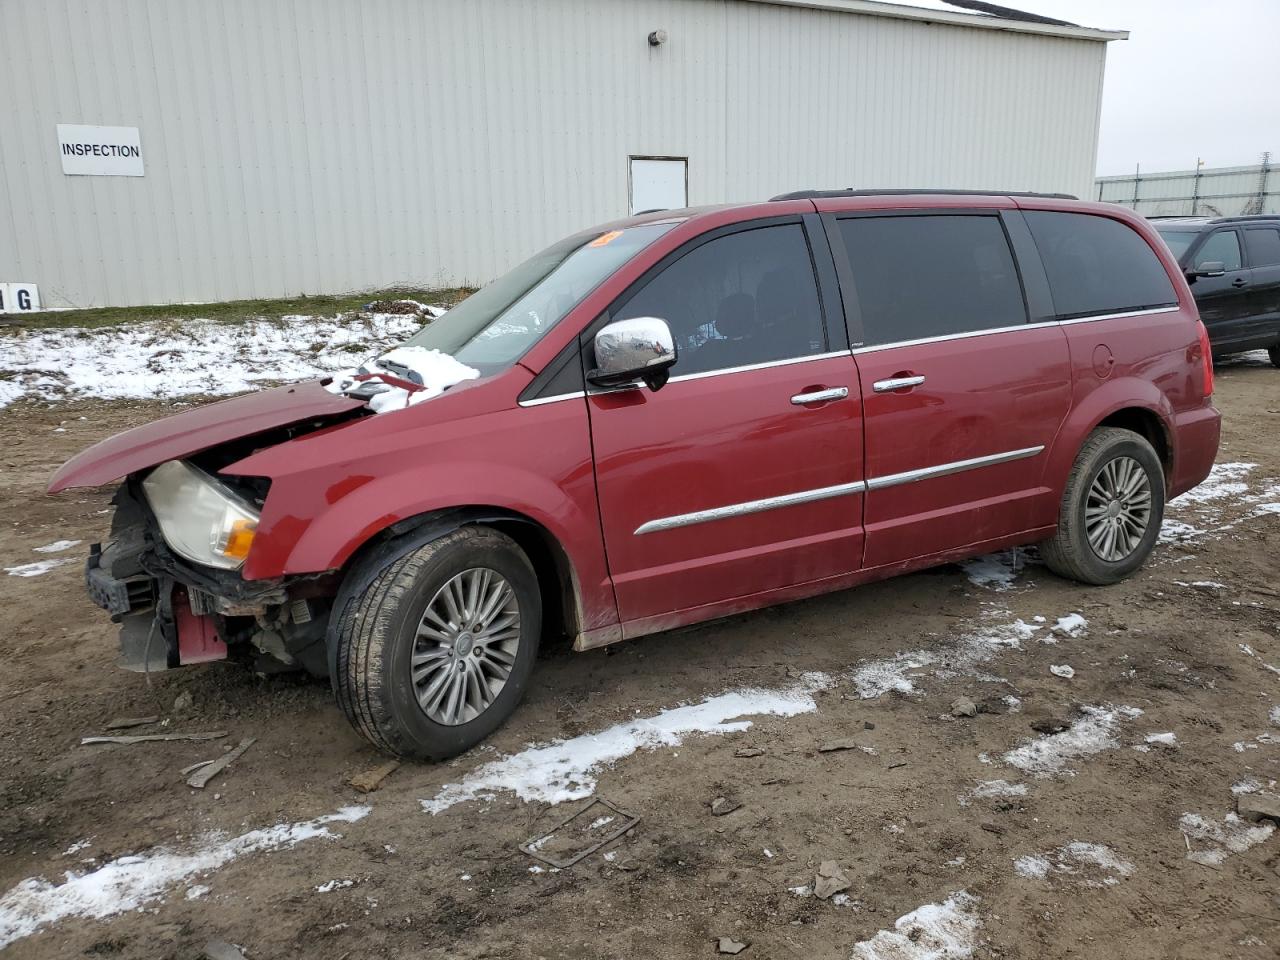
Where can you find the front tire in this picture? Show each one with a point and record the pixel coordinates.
(1274, 353)
(1111, 510)
(437, 652)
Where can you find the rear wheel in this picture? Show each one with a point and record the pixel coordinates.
(1274, 354)
(437, 652)
(1111, 509)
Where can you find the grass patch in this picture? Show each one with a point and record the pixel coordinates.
(231, 311)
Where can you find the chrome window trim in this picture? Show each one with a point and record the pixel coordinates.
(1021, 326)
(955, 466)
(539, 401)
(1120, 316)
(751, 506)
(840, 490)
(680, 378)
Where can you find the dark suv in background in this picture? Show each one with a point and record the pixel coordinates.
(1233, 266)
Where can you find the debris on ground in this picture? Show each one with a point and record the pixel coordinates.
(722, 805)
(184, 703)
(211, 768)
(1063, 670)
(841, 743)
(745, 752)
(731, 946)
(581, 834)
(154, 737)
(221, 950)
(831, 879)
(1256, 807)
(1072, 625)
(124, 723)
(371, 780)
(963, 707)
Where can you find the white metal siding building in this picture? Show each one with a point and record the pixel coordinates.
(319, 146)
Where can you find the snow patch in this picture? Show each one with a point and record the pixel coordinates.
(1232, 835)
(995, 571)
(330, 885)
(565, 769)
(1072, 625)
(961, 654)
(163, 360)
(1093, 733)
(1063, 670)
(36, 569)
(991, 789)
(1224, 480)
(129, 882)
(1165, 739)
(935, 931)
(434, 370)
(1275, 716)
(57, 546)
(1072, 860)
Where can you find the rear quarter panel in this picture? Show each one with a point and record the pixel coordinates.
(1150, 361)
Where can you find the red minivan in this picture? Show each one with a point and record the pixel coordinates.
(675, 417)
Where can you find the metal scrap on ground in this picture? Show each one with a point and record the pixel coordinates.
(581, 826)
(211, 768)
(155, 737)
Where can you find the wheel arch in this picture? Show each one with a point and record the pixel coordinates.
(557, 577)
(1129, 403)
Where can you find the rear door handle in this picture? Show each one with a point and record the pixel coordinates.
(896, 383)
(1239, 282)
(819, 396)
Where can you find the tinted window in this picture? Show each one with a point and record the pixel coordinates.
(1223, 247)
(744, 298)
(1264, 246)
(1098, 265)
(930, 276)
(1178, 241)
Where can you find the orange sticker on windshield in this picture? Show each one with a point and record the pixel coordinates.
(605, 238)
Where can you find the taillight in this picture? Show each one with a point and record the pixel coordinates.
(1206, 356)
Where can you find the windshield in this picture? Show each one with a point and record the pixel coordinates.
(497, 324)
(1178, 240)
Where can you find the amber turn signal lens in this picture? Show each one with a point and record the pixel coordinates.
(239, 539)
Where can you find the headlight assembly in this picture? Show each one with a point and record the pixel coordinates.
(200, 518)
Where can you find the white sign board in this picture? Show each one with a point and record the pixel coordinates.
(659, 183)
(88, 151)
(19, 298)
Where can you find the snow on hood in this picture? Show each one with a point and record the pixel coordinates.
(436, 372)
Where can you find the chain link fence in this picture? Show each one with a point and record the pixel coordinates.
(1216, 192)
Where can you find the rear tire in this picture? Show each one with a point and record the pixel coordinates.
(1274, 354)
(425, 669)
(1111, 510)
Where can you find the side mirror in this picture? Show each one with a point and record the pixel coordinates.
(637, 349)
(1209, 268)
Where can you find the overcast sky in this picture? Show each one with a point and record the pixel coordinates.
(1194, 80)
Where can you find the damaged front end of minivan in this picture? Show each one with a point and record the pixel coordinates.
(169, 575)
(169, 571)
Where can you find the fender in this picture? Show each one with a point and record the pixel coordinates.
(1110, 397)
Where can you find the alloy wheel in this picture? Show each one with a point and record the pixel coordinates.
(466, 646)
(1118, 509)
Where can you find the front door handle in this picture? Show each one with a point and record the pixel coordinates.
(820, 396)
(1239, 282)
(896, 383)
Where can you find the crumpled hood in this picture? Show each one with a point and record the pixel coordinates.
(199, 429)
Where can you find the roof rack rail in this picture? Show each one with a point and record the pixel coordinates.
(1245, 217)
(850, 192)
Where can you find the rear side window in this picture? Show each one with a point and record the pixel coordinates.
(1264, 246)
(1223, 247)
(931, 276)
(1097, 265)
(741, 299)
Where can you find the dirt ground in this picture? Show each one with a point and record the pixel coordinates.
(1191, 642)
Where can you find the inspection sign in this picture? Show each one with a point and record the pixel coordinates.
(89, 151)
